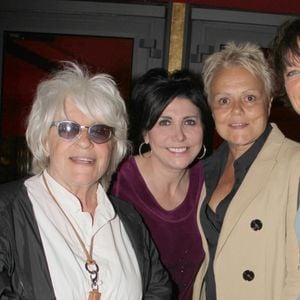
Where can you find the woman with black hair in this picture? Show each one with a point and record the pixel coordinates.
(164, 180)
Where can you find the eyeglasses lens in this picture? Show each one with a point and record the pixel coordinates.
(68, 130)
(100, 133)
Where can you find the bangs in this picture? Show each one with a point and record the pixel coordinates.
(291, 58)
(97, 108)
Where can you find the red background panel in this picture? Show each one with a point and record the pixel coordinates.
(21, 74)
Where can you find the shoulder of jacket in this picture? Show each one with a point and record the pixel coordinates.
(124, 208)
(10, 192)
(291, 149)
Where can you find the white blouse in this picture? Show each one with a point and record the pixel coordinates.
(119, 274)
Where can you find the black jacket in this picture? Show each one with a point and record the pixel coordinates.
(24, 271)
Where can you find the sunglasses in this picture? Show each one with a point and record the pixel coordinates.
(69, 130)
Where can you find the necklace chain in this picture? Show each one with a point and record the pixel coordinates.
(89, 254)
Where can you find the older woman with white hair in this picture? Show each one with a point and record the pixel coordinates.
(249, 206)
(61, 235)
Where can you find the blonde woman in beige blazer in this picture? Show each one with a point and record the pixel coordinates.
(247, 213)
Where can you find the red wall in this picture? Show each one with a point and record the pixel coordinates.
(21, 76)
(267, 6)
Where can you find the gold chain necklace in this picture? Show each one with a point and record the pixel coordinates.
(90, 264)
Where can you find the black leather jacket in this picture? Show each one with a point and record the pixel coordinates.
(24, 271)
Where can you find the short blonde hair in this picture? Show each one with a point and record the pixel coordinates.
(247, 55)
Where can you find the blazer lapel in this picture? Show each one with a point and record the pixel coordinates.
(255, 180)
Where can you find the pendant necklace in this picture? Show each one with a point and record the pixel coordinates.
(90, 265)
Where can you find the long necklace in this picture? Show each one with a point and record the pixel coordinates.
(90, 264)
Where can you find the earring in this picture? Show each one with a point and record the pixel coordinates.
(203, 154)
(140, 150)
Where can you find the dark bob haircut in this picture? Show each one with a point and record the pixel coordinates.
(285, 49)
(154, 91)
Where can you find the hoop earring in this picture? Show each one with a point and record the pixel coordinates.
(140, 150)
(203, 154)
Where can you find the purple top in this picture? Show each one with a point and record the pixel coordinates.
(175, 232)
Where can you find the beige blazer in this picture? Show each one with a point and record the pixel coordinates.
(261, 264)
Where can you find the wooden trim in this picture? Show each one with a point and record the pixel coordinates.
(177, 36)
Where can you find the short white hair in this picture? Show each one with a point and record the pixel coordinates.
(97, 96)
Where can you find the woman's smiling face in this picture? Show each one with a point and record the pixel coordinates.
(239, 105)
(176, 138)
(77, 163)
